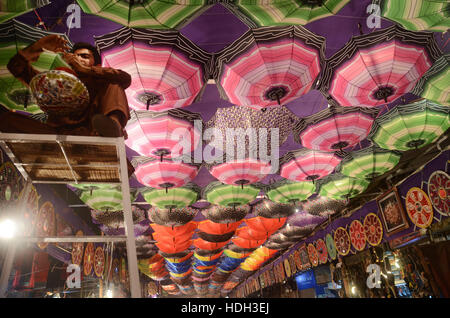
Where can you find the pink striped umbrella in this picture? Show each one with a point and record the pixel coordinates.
(165, 134)
(163, 174)
(269, 66)
(241, 171)
(308, 165)
(377, 68)
(335, 128)
(168, 70)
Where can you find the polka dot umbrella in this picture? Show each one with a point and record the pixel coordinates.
(377, 68)
(221, 214)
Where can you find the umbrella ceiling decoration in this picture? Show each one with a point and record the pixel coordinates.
(323, 207)
(308, 165)
(216, 238)
(114, 219)
(434, 83)
(15, 36)
(221, 214)
(296, 232)
(172, 217)
(211, 227)
(248, 233)
(165, 134)
(10, 9)
(156, 14)
(102, 197)
(377, 68)
(335, 128)
(205, 245)
(270, 209)
(167, 70)
(410, 126)
(174, 230)
(369, 163)
(263, 224)
(283, 12)
(247, 244)
(416, 15)
(172, 197)
(164, 174)
(287, 191)
(340, 187)
(230, 195)
(269, 66)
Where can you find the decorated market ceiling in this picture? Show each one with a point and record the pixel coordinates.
(337, 93)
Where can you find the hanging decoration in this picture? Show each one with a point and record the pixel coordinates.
(373, 229)
(263, 224)
(99, 261)
(172, 217)
(273, 210)
(342, 241)
(357, 235)
(173, 197)
(287, 191)
(269, 66)
(322, 252)
(230, 195)
(419, 208)
(439, 191)
(340, 187)
(211, 227)
(410, 126)
(323, 207)
(78, 250)
(335, 128)
(221, 214)
(10, 9)
(331, 247)
(88, 259)
(377, 68)
(313, 255)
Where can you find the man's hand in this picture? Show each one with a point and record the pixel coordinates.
(74, 61)
(53, 42)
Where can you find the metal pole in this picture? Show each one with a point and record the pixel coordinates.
(129, 227)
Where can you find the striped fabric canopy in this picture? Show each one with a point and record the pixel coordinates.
(230, 195)
(283, 12)
(417, 15)
(240, 172)
(410, 126)
(172, 198)
(269, 66)
(377, 68)
(163, 134)
(157, 14)
(10, 9)
(167, 70)
(308, 165)
(102, 197)
(434, 83)
(369, 163)
(335, 128)
(287, 191)
(340, 187)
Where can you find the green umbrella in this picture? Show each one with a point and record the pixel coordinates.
(173, 197)
(434, 84)
(12, 8)
(340, 187)
(417, 15)
(410, 126)
(154, 14)
(102, 197)
(14, 36)
(230, 195)
(287, 191)
(257, 13)
(368, 163)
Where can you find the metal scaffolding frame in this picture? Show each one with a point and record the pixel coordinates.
(61, 140)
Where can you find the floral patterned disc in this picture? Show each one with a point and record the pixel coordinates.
(77, 250)
(439, 191)
(292, 263)
(287, 267)
(357, 235)
(331, 247)
(373, 229)
(45, 225)
(99, 261)
(298, 260)
(313, 255)
(419, 208)
(322, 251)
(342, 241)
(88, 260)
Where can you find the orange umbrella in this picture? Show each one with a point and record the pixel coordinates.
(264, 224)
(165, 238)
(171, 248)
(211, 227)
(175, 230)
(243, 243)
(248, 233)
(180, 259)
(205, 245)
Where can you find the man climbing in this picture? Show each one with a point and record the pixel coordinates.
(108, 110)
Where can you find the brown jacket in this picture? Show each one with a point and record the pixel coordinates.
(106, 88)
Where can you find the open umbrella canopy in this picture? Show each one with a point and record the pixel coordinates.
(340, 187)
(102, 197)
(308, 165)
(167, 70)
(211, 227)
(410, 126)
(230, 195)
(369, 163)
(433, 84)
(244, 243)
(157, 14)
(174, 230)
(269, 66)
(178, 239)
(222, 214)
(270, 209)
(10, 9)
(165, 134)
(247, 233)
(284, 12)
(205, 245)
(172, 217)
(377, 68)
(335, 128)
(172, 197)
(323, 207)
(263, 224)
(416, 15)
(288, 191)
(15, 36)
